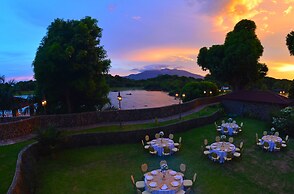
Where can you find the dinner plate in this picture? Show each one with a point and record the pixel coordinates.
(154, 172)
(175, 183)
(178, 177)
(149, 178)
(172, 172)
(153, 184)
(164, 187)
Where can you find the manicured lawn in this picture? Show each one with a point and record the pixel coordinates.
(107, 169)
(204, 112)
(8, 157)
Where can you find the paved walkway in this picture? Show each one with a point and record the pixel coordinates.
(31, 136)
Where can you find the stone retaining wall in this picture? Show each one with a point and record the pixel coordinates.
(26, 126)
(24, 181)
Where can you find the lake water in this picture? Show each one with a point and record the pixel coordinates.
(131, 99)
(138, 99)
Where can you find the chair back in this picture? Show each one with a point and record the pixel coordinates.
(256, 135)
(162, 162)
(194, 177)
(183, 168)
(166, 150)
(215, 125)
(278, 144)
(132, 179)
(217, 138)
(139, 192)
(223, 122)
(151, 149)
(265, 144)
(180, 139)
(157, 135)
(226, 129)
(147, 138)
(241, 144)
(171, 136)
(287, 137)
(231, 139)
(142, 142)
(144, 167)
(214, 155)
(205, 142)
(241, 125)
(277, 133)
(264, 133)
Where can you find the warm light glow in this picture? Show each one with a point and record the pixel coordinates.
(44, 103)
(183, 95)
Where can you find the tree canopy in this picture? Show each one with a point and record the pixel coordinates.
(199, 89)
(290, 42)
(236, 62)
(291, 90)
(70, 66)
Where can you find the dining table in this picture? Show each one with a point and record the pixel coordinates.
(221, 149)
(159, 143)
(163, 182)
(230, 126)
(271, 139)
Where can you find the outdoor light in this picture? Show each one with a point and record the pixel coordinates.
(183, 95)
(119, 98)
(177, 95)
(204, 92)
(210, 92)
(44, 102)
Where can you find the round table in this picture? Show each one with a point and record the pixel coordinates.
(221, 149)
(169, 182)
(159, 143)
(271, 139)
(231, 127)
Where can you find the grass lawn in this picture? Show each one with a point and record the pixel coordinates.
(204, 112)
(107, 169)
(8, 158)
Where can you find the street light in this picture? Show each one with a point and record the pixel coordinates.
(180, 97)
(119, 98)
(44, 103)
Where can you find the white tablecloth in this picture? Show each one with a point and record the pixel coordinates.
(231, 127)
(159, 143)
(221, 149)
(164, 185)
(271, 139)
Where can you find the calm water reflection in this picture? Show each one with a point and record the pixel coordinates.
(137, 99)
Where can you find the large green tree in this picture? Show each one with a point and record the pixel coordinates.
(236, 62)
(70, 66)
(290, 42)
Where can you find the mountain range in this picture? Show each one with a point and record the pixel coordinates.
(154, 73)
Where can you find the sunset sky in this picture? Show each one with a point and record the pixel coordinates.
(147, 34)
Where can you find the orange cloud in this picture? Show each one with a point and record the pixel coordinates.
(164, 54)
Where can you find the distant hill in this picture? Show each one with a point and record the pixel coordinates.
(154, 73)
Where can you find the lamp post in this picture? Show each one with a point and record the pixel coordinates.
(119, 98)
(180, 97)
(44, 103)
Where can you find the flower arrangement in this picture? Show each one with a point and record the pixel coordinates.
(164, 167)
(283, 120)
(161, 134)
(223, 137)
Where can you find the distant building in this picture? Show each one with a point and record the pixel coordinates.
(257, 104)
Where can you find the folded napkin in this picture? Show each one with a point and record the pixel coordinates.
(153, 184)
(164, 187)
(178, 177)
(172, 172)
(149, 178)
(175, 183)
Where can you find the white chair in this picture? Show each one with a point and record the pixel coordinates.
(189, 183)
(147, 139)
(138, 184)
(206, 144)
(237, 154)
(181, 192)
(231, 139)
(171, 136)
(144, 192)
(277, 134)
(182, 169)
(180, 141)
(145, 146)
(144, 168)
(264, 133)
(286, 139)
(238, 149)
(206, 152)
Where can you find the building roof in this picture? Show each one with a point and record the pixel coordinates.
(257, 96)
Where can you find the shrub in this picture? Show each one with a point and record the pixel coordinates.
(48, 137)
(284, 120)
